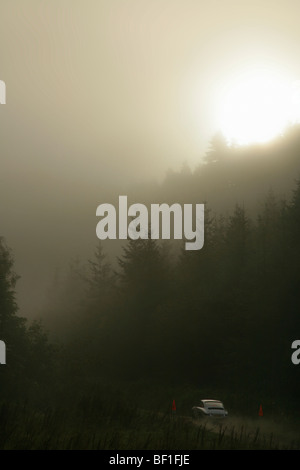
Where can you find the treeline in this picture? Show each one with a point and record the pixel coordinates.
(223, 317)
(30, 361)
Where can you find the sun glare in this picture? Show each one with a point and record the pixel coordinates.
(257, 106)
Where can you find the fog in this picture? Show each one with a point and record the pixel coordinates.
(107, 98)
(152, 100)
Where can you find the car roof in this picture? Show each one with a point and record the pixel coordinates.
(210, 400)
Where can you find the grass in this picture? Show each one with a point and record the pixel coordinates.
(115, 419)
(123, 429)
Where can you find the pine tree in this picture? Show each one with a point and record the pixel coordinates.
(100, 278)
(29, 354)
(10, 323)
(143, 271)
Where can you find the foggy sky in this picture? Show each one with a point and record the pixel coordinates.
(102, 95)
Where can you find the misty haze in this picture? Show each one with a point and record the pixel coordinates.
(168, 102)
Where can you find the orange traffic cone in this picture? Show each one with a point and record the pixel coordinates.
(260, 413)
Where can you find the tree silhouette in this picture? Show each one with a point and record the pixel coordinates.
(217, 150)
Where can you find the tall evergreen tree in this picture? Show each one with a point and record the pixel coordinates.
(29, 355)
(12, 327)
(143, 272)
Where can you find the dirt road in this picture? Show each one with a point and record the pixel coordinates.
(272, 433)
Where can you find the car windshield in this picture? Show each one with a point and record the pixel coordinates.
(214, 404)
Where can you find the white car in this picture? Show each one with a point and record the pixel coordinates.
(209, 408)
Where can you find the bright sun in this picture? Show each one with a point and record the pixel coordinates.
(257, 105)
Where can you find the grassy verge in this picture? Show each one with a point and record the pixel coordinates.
(120, 418)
